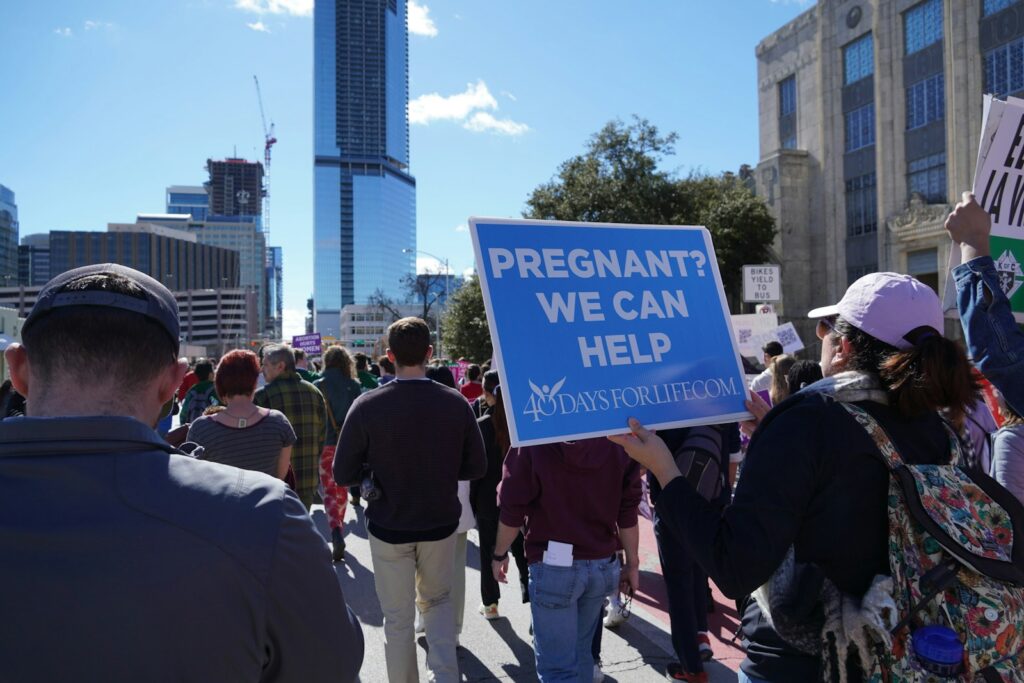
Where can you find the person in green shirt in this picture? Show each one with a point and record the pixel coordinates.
(302, 367)
(202, 395)
(367, 380)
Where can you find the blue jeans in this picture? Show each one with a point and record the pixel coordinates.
(744, 678)
(566, 604)
(994, 342)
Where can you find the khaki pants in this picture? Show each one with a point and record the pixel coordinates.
(402, 572)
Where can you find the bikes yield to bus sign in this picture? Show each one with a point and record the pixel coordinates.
(762, 283)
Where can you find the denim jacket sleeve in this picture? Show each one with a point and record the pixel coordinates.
(994, 342)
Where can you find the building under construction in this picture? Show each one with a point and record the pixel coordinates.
(235, 187)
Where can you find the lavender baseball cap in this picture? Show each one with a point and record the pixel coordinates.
(894, 308)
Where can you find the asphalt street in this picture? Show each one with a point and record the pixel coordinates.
(502, 649)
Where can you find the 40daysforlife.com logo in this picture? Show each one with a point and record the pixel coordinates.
(549, 400)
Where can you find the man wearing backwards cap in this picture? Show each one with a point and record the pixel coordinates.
(124, 559)
(811, 471)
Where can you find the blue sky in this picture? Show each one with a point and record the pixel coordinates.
(106, 103)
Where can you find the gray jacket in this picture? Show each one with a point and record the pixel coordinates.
(123, 560)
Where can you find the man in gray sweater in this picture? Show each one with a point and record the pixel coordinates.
(419, 439)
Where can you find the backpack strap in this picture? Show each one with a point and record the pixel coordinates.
(330, 414)
(890, 455)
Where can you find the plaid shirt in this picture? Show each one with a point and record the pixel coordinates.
(303, 405)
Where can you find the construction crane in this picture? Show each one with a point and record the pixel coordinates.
(268, 141)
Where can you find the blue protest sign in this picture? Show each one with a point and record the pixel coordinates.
(593, 323)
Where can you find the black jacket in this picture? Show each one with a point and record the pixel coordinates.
(483, 492)
(812, 480)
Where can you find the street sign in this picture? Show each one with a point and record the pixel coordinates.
(596, 323)
(762, 283)
(310, 343)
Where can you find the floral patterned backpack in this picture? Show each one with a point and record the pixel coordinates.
(955, 564)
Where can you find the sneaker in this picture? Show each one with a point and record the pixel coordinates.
(490, 612)
(598, 674)
(704, 646)
(675, 672)
(338, 545)
(615, 618)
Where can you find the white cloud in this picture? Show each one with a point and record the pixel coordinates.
(509, 95)
(293, 322)
(259, 26)
(63, 32)
(468, 272)
(429, 264)
(468, 107)
(92, 25)
(483, 122)
(420, 23)
(298, 8)
(461, 227)
(436, 107)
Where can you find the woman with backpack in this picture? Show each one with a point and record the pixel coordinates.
(807, 531)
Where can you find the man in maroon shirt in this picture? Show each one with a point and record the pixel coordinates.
(571, 541)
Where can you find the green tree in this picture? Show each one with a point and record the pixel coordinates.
(617, 180)
(464, 326)
(741, 226)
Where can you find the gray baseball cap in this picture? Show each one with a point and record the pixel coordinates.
(158, 303)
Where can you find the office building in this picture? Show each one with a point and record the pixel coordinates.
(219, 319)
(275, 292)
(870, 116)
(364, 197)
(235, 187)
(34, 260)
(216, 320)
(8, 236)
(188, 199)
(240, 234)
(173, 257)
(364, 327)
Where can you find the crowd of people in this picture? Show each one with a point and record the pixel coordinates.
(141, 552)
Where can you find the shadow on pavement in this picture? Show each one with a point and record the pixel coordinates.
(525, 668)
(354, 579)
(633, 632)
(320, 522)
(472, 669)
(358, 527)
(472, 555)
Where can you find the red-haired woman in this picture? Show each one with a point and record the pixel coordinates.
(243, 434)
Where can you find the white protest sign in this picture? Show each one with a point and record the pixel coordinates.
(762, 283)
(785, 335)
(999, 188)
(749, 327)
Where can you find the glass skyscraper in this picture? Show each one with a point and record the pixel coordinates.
(365, 199)
(275, 293)
(8, 238)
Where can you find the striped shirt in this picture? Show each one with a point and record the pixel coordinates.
(256, 447)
